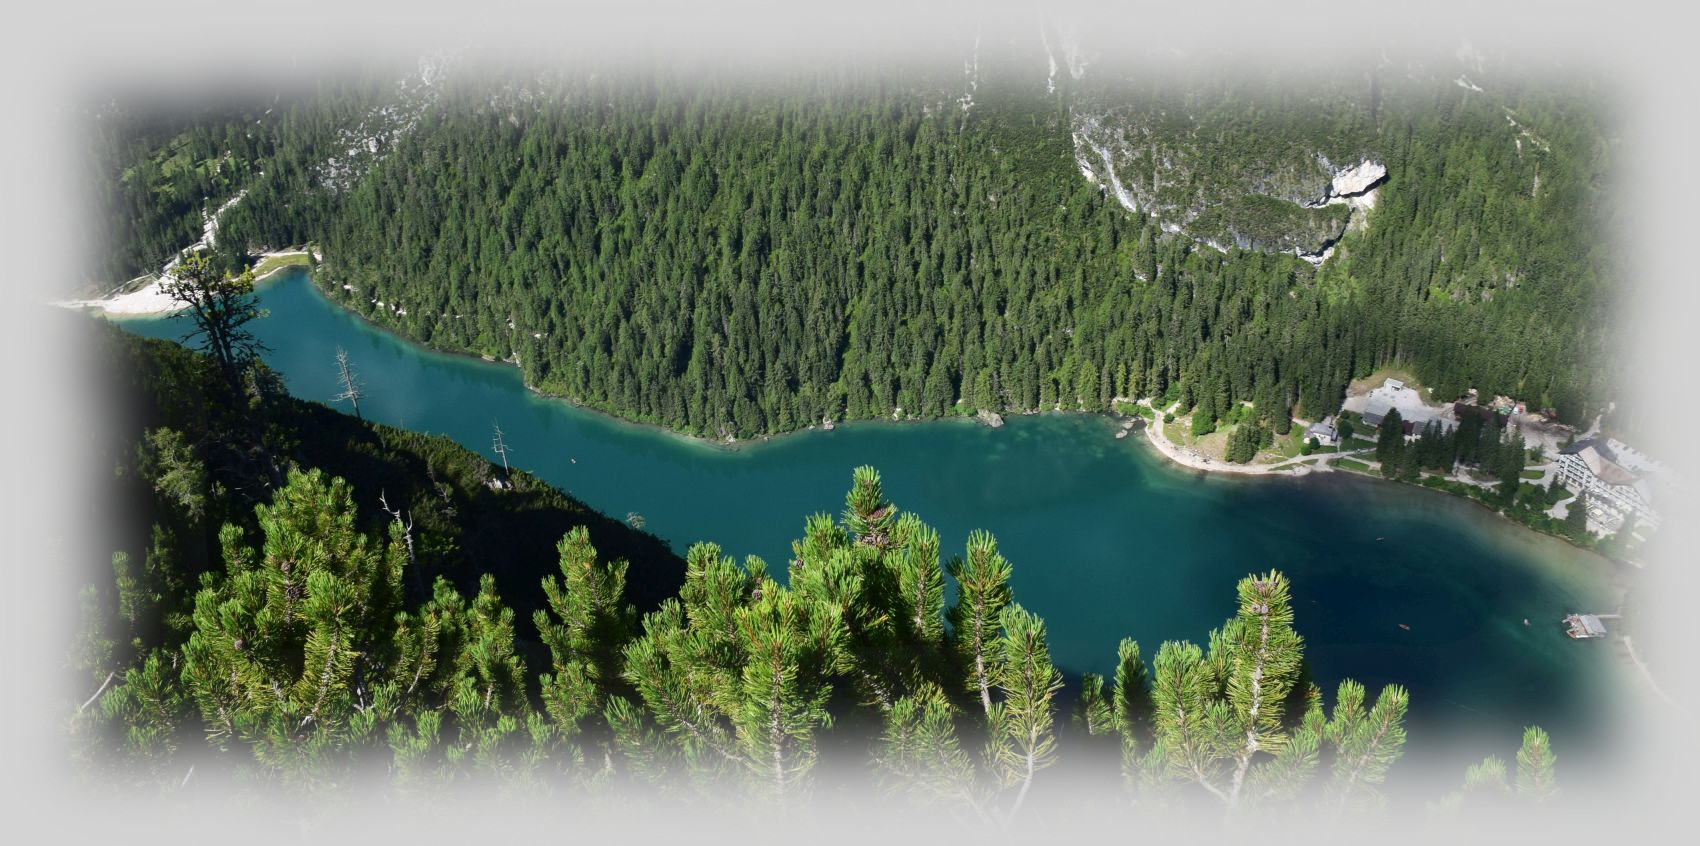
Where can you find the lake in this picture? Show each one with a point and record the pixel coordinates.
(1106, 539)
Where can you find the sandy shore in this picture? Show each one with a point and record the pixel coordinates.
(152, 299)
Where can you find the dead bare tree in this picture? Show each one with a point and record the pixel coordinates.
(350, 382)
(501, 447)
(406, 535)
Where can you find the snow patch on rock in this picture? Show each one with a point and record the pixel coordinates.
(378, 132)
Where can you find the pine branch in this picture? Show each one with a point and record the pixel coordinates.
(1260, 657)
(1366, 757)
(776, 734)
(1272, 656)
(1535, 778)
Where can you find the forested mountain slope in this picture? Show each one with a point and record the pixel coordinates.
(728, 253)
(155, 166)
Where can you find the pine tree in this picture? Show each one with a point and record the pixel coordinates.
(486, 691)
(686, 668)
(791, 646)
(1535, 779)
(1204, 416)
(284, 650)
(982, 580)
(1220, 720)
(1132, 710)
(1390, 444)
(1512, 458)
(220, 307)
(736, 675)
(1536, 782)
(133, 605)
(178, 476)
(1092, 711)
(148, 706)
(921, 758)
(1028, 683)
(921, 752)
(880, 569)
(585, 627)
(1576, 518)
(1365, 744)
(1262, 667)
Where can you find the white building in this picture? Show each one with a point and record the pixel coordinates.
(1620, 483)
(1324, 432)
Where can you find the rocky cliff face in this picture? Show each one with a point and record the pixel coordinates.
(1178, 172)
(1229, 157)
(1358, 179)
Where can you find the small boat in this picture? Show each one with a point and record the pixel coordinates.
(1405, 627)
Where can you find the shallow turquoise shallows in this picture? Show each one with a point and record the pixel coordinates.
(1107, 541)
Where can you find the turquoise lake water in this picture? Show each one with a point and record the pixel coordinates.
(1106, 539)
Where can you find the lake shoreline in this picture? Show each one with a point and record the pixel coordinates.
(1154, 438)
(717, 444)
(1172, 453)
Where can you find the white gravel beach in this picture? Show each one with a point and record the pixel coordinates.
(151, 298)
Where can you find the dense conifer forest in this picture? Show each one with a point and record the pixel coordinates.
(154, 166)
(730, 253)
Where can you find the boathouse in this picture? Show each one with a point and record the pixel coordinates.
(1584, 625)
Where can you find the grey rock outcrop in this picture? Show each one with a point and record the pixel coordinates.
(1358, 178)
